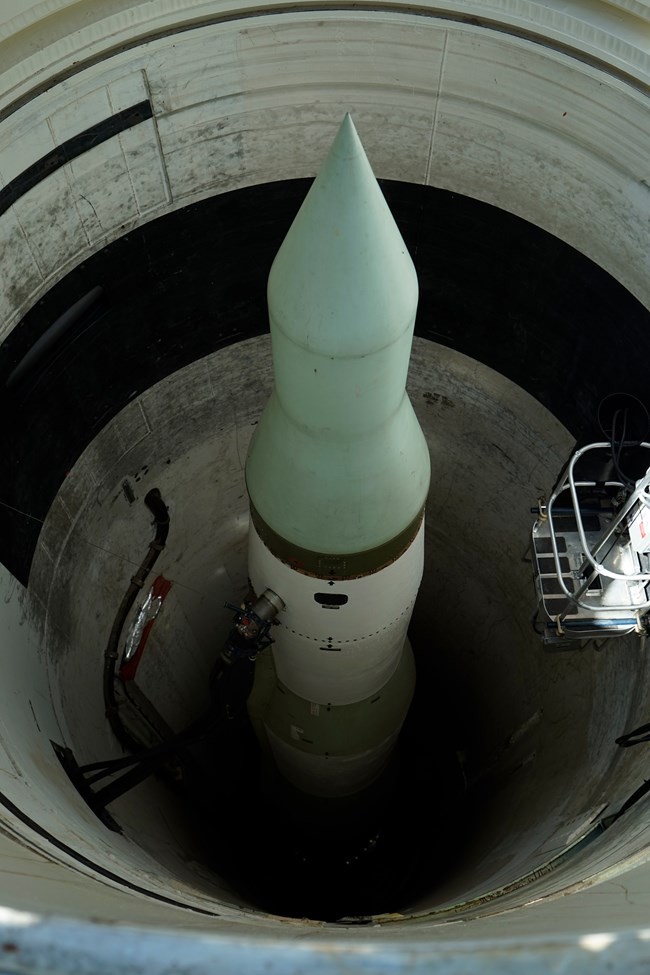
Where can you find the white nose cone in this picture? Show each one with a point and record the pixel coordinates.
(343, 282)
(338, 464)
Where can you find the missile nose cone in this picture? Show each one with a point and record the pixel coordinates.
(347, 143)
(343, 280)
(338, 463)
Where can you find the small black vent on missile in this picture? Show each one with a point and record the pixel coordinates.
(330, 600)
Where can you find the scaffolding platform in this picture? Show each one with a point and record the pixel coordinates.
(591, 552)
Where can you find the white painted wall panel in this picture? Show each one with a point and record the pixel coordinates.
(101, 186)
(144, 167)
(79, 114)
(128, 90)
(20, 273)
(279, 89)
(50, 217)
(551, 94)
(23, 143)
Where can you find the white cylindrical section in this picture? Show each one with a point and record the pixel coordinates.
(338, 642)
(331, 750)
(331, 776)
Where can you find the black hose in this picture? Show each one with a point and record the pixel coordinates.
(635, 737)
(230, 685)
(628, 740)
(158, 508)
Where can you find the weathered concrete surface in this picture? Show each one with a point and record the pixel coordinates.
(554, 131)
(538, 727)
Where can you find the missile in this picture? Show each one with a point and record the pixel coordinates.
(337, 475)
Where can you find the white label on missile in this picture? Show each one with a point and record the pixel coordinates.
(314, 709)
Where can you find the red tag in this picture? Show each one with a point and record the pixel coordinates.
(159, 590)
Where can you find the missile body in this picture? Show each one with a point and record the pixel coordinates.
(337, 474)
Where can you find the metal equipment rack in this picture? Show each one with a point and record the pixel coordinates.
(591, 553)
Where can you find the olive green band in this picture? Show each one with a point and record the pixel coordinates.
(325, 565)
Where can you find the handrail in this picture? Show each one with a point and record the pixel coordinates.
(631, 501)
(638, 495)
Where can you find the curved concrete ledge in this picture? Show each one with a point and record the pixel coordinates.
(529, 127)
(46, 41)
